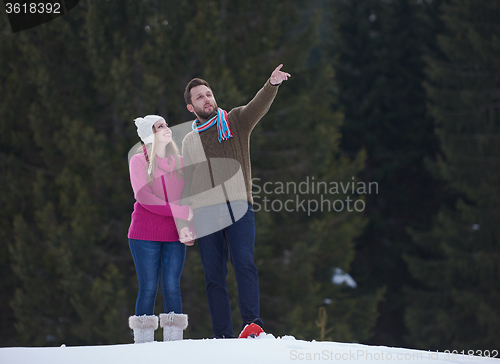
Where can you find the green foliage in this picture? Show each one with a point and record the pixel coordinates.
(378, 47)
(74, 85)
(299, 141)
(65, 241)
(457, 301)
(15, 167)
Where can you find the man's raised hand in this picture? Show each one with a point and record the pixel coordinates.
(277, 76)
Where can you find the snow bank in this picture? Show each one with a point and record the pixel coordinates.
(262, 350)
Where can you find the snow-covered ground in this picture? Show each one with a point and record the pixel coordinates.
(262, 350)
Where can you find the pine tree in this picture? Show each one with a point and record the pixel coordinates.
(67, 249)
(298, 142)
(379, 45)
(15, 166)
(456, 305)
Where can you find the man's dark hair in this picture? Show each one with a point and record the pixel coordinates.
(193, 83)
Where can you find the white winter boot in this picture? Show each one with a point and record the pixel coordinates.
(144, 328)
(173, 325)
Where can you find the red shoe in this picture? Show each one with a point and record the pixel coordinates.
(251, 330)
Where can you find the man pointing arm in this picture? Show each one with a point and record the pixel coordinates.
(218, 186)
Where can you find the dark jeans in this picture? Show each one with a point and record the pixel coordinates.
(156, 260)
(239, 238)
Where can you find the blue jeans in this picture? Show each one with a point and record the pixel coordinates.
(239, 238)
(154, 261)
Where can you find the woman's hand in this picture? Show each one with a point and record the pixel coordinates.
(186, 237)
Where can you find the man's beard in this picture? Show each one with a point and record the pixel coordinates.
(202, 114)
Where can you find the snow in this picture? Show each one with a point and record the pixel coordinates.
(339, 277)
(262, 350)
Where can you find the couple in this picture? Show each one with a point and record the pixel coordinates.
(162, 227)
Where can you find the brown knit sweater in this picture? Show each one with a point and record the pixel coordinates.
(218, 172)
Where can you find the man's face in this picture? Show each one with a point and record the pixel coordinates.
(203, 102)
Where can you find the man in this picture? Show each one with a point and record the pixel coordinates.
(218, 189)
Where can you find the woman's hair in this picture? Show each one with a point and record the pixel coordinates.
(171, 150)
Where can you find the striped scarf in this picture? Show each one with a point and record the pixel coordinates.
(222, 125)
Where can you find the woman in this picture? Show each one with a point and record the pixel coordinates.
(156, 174)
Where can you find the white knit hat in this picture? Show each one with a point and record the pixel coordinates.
(145, 127)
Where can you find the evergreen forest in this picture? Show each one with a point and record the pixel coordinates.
(379, 160)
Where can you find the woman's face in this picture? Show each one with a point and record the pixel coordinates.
(163, 134)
